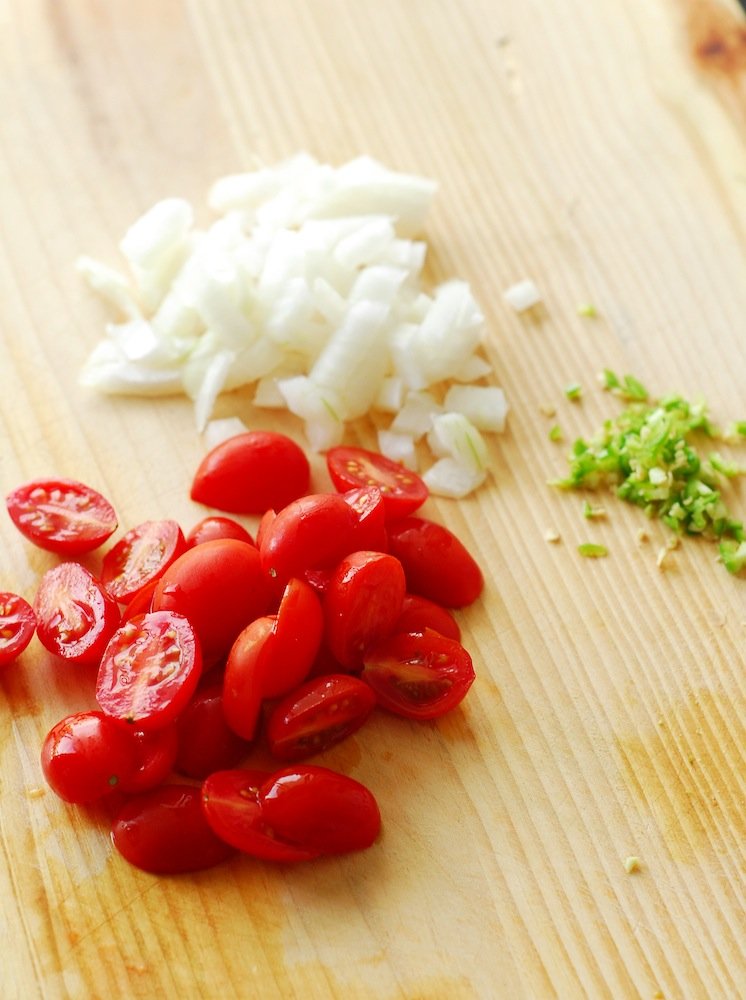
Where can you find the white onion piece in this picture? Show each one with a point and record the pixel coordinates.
(390, 398)
(484, 405)
(416, 415)
(217, 431)
(319, 408)
(155, 245)
(449, 478)
(108, 370)
(522, 295)
(454, 436)
(398, 447)
(110, 284)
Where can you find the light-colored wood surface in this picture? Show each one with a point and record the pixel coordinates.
(597, 148)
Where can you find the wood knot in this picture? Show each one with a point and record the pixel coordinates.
(718, 38)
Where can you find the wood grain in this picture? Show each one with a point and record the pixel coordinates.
(596, 148)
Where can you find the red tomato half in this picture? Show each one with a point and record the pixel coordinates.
(165, 832)
(62, 515)
(84, 757)
(313, 532)
(215, 526)
(418, 613)
(318, 714)
(320, 810)
(436, 563)
(17, 626)
(420, 675)
(75, 615)
(230, 800)
(370, 533)
(154, 755)
(149, 670)
(252, 472)
(206, 741)
(219, 586)
(362, 601)
(140, 557)
(403, 491)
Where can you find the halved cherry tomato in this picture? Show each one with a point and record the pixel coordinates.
(319, 809)
(318, 714)
(313, 532)
(141, 602)
(264, 522)
(272, 656)
(142, 555)
(149, 670)
(437, 564)
(419, 675)
(206, 741)
(154, 755)
(230, 800)
(402, 489)
(220, 587)
(418, 613)
(164, 831)
(84, 757)
(216, 526)
(361, 604)
(75, 615)
(367, 502)
(17, 626)
(62, 515)
(251, 472)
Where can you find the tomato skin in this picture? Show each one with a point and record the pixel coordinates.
(215, 526)
(141, 556)
(320, 809)
(402, 489)
(370, 533)
(154, 755)
(149, 670)
(361, 604)
(313, 532)
(141, 602)
(75, 615)
(17, 626)
(84, 757)
(295, 641)
(230, 800)
(318, 714)
(61, 515)
(206, 743)
(251, 472)
(164, 832)
(418, 675)
(219, 586)
(243, 678)
(437, 565)
(419, 613)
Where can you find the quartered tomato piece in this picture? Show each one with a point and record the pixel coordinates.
(75, 615)
(420, 675)
(252, 472)
(62, 515)
(206, 741)
(149, 670)
(418, 613)
(313, 532)
(17, 626)
(318, 714)
(84, 757)
(402, 489)
(437, 564)
(220, 587)
(140, 557)
(362, 601)
(164, 831)
(141, 602)
(230, 800)
(320, 810)
(216, 526)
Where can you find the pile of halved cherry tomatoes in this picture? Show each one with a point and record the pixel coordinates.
(205, 644)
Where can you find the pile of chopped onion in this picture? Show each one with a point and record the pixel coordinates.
(307, 287)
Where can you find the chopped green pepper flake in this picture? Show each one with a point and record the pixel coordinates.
(591, 550)
(590, 511)
(648, 455)
(555, 433)
(574, 390)
(587, 309)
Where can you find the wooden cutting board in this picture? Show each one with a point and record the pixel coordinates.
(596, 148)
